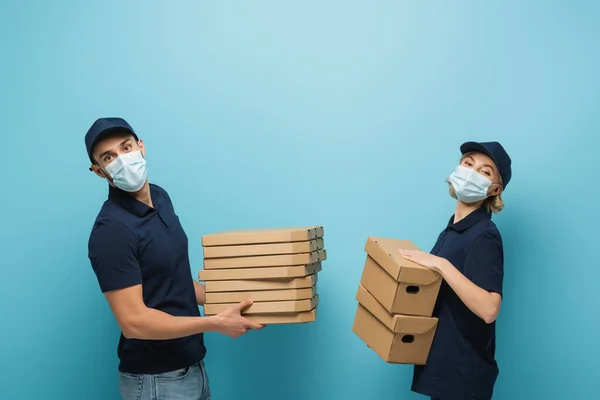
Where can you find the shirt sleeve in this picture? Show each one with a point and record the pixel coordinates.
(112, 251)
(484, 264)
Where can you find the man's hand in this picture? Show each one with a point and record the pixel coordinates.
(231, 323)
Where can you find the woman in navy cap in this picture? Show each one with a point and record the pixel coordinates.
(469, 256)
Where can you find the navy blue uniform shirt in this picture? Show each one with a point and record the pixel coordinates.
(133, 244)
(461, 363)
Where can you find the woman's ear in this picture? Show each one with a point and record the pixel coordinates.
(497, 190)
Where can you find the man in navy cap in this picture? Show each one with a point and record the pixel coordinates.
(139, 253)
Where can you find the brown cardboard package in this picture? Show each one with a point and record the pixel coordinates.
(296, 271)
(401, 286)
(261, 284)
(263, 235)
(268, 307)
(263, 249)
(275, 267)
(266, 261)
(398, 339)
(291, 318)
(261, 295)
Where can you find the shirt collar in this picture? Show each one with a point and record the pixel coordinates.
(129, 203)
(473, 218)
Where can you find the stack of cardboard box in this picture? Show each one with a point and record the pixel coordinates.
(276, 267)
(396, 298)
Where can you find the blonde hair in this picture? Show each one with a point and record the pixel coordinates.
(493, 204)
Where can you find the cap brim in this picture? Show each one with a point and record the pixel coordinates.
(106, 132)
(469, 147)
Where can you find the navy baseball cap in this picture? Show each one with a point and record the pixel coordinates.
(496, 152)
(101, 128)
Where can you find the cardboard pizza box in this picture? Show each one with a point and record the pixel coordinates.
(262, 295)
(271, 249)
(291, 318)
(296, 271)
(268, 307)
(261, 284)
(263, 235)
(266, 261)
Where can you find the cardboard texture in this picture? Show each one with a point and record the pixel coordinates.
(262, 236)
(265, 261)
(398, 339)
(296, 271)
(385, 253)
(260, 284)
(291, 318)
(413, 289)
(263, 249)
(268, 307)
(402, 297)
(263, 295)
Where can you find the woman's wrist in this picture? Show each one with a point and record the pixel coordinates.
(442, 267)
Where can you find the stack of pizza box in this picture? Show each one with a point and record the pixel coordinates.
(396, 300)
(275, 267)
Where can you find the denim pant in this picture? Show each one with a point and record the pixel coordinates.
(184, 384)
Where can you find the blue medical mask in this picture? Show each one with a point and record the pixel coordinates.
(128, 171)
(470, 186)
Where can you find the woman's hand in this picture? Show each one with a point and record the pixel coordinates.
(422, 258)
(482, 303)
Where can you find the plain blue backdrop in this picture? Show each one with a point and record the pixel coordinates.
(270, 113)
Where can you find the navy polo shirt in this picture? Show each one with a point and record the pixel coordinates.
(461, 363)
(133, 244)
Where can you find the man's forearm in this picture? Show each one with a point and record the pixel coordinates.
(153, 324)
(200, 293)
(481, 302)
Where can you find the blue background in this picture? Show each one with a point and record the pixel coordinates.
(270, 113)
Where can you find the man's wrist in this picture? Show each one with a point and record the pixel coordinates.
(214, 323)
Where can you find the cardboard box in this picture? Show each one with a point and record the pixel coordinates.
(266, 261)
(260, 284)
(401, 286)
(268, 307)
(262, 295)
(263, 249)
(263, 235)
(296, 271)
(417, 297)
(291, 318)
(398, 339)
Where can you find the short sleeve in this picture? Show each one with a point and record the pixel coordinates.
(112, 250)
(484, 264)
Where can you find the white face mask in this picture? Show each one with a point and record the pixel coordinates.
(128, 171)
(470, 186)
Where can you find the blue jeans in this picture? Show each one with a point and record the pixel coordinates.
(184, 384)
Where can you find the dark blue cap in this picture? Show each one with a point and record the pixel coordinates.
(496, 152)
(103, 126)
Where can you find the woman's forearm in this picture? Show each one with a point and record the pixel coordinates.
(482, 303)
